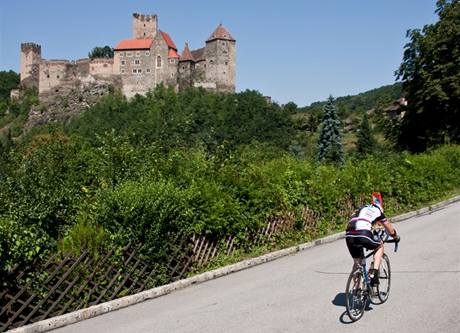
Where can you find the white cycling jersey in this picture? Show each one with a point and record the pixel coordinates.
(367, 216)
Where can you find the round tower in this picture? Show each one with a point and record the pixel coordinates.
(144, 26)
(220, 54)
(31, 56)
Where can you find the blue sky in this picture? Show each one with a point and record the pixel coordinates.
(291, 50)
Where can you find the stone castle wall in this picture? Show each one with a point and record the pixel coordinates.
(144, 26)
(135, 71)
(220, 70)
(30, 64)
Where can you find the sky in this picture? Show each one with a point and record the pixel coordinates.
(292, 50)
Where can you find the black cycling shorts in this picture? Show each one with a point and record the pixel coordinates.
(356, 242)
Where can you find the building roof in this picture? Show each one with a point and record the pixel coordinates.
(186, 55)
(168, 40)
(220, 33)
(134, 44)
(198, 55)
(173, 54)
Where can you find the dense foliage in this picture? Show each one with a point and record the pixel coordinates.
(8, 80)
(167, 165)
(430, 73)
(374, 99)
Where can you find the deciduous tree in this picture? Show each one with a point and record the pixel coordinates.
(430, 73)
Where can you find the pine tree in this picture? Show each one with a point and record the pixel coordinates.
(366, 142)
(330, 147)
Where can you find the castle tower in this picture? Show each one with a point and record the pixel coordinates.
(31, 56)
(220, 54)
(186, 66)
(144, 26)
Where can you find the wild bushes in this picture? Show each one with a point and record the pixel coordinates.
(160, 168)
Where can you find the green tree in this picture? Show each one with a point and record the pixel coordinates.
(101, 52)
(430, 73)
(329, 147)
(366, 141)
(290, 107)
(8, 80)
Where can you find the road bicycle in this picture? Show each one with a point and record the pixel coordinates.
(359, 291)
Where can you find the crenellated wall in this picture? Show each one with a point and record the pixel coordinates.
(55, 74)
(31, 56)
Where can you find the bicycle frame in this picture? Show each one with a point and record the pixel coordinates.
(359, 281)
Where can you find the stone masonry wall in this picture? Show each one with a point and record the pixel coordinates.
(144, 26)
(136, 71)
(30, 62)
(160, 60)
(220, 59)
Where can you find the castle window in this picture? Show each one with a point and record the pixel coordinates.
(129, 54)
(224, 43)
(121, 54)
(48, 76)
(144, 32)
(123, 62)
(147, 53)
(183, 68)
(137, 62)
(134, 71)
(57, 76)
(158, 61)
(139, 70)
(147, 70)
(122, 71)
(211, 61)
(226, 62)
(138, 53)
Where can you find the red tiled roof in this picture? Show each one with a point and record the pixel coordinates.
(186, 55)
(134, 44)
(173, 54)
(168, 40)
(220, 33)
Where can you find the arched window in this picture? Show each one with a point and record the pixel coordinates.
(158, 61)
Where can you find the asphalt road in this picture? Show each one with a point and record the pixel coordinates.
(304, 292)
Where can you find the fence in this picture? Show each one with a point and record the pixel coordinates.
(71, 283)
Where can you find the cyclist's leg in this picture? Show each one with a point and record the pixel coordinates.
(378, 257)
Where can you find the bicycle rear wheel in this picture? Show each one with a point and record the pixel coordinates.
(356, 295)
(384, 279)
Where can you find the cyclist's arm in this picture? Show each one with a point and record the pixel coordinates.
(389, 228)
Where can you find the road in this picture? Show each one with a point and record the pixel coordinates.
(304, 292)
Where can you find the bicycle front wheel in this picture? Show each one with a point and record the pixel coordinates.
(356, 296)
(384, 279)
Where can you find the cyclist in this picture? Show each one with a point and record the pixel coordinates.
(359, 234)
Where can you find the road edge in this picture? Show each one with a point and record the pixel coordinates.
(96, 310)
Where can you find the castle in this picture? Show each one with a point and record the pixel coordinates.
(139, 64)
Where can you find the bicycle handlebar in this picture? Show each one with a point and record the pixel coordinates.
(393, 241)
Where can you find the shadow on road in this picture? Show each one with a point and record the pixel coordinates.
(340, 300)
